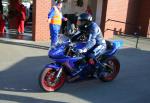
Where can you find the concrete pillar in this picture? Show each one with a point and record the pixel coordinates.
(148, 32)
(99, 11)
(103, 17)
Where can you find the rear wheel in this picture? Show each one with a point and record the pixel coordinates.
(48, 80)
(111, 70)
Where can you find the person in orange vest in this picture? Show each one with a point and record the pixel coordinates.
(21, 19)
(2, 24)
(55, 20)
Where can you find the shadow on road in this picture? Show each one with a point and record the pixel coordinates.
(23, 76)
(132, 81)
(25, 44)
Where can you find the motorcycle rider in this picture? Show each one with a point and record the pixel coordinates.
(91, 35)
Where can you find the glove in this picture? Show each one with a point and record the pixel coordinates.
(82, 50)
(71, 45)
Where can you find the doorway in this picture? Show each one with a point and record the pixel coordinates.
(71, 7)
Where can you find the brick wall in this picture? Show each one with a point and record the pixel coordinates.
(134, 14)
(148, 32)
(116, 10)
(40, 24)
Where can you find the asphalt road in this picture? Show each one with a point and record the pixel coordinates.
(21, 63)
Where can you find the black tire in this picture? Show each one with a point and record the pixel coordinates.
(114, 67)
(47, 77)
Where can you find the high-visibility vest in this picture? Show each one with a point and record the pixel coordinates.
(57, 18)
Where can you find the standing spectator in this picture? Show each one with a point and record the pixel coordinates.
(2, 24)
(13, 14)
(55, 20)
(21, 19)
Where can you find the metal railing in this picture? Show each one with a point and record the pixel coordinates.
(128, 23)
(135, 39)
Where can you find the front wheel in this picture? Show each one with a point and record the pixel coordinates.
(111, 70)
(48, 80)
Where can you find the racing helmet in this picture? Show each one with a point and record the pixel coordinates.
(85, 17)
(58, 1)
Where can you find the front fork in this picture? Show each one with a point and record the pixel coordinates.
(104, 67)
(59, 73)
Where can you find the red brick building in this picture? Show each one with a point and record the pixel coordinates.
(126, 16)
(122, 16)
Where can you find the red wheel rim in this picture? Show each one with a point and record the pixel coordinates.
(112, 75)
(48, 78)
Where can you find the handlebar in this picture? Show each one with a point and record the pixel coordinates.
(72, 51)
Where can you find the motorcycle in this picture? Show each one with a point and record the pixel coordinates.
(70, 66)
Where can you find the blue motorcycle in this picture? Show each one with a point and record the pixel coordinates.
(70, 66)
